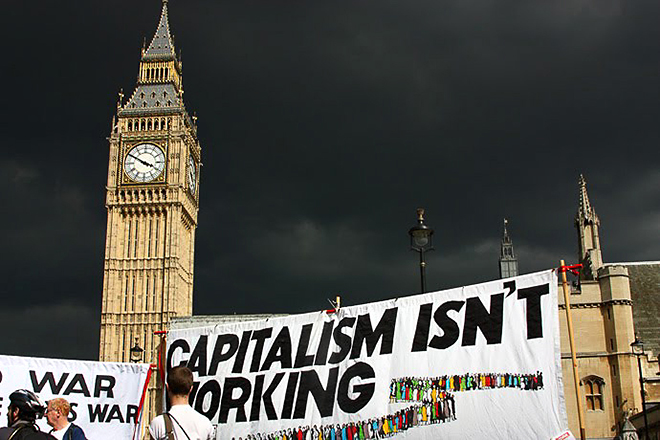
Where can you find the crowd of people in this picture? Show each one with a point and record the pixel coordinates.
(25, 408)
(179, 423)
(416, 389)
(440, 408)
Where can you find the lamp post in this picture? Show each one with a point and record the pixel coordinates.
(638, 350)
(136, 352)
(421, 240)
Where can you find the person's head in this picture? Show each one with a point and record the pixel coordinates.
(57, 412)
(180, 381)
(24, 405)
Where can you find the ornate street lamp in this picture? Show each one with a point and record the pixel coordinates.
(136, 352)
(638, 350)
(421, 240)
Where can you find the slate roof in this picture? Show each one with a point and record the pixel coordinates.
(148, 98)
(162, 46)
(645, 292)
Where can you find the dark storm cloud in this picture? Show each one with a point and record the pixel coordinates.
(323, 126)
(54, 329)
(52, 241)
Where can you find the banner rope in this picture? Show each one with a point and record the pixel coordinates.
(144, 393)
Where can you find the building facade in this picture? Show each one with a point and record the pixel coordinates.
(605, 305)
(152, 200)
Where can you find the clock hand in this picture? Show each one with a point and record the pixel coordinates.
(143, 162)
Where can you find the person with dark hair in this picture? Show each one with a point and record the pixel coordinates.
(182, 422)
(22, 413)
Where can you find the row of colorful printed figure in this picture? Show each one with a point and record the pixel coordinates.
(417, 389)
(441, 411)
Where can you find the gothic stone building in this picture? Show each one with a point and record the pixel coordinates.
(152, 197)
(610, 304)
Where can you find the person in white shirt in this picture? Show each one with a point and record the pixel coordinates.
(186, 423)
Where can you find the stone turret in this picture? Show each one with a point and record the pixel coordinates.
(508, 260)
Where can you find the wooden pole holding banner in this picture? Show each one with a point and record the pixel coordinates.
(569, 321)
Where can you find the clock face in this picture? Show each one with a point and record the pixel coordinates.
(144, 163)
(192, 174)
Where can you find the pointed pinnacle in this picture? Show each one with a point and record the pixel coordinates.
(585, 206)
(505, 236)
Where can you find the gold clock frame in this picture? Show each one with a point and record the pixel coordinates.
(128, 146)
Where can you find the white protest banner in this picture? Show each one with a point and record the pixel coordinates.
(480, 361)
(104, 396)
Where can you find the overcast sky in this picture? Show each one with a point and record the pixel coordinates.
(323, 126)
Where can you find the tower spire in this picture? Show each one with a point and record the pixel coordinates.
(587, 224)
(506, 238)
(585, 210)
(160, 85)
(508, 260)
(162, 45)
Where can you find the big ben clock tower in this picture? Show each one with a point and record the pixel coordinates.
(152, 200)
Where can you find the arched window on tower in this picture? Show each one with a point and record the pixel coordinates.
(167, 73)
(149, 125)
(142, 125)
(130, 125)
(593, 392)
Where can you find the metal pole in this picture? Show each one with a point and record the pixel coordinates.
(641, 387)
(422, 269)
(576, 381)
